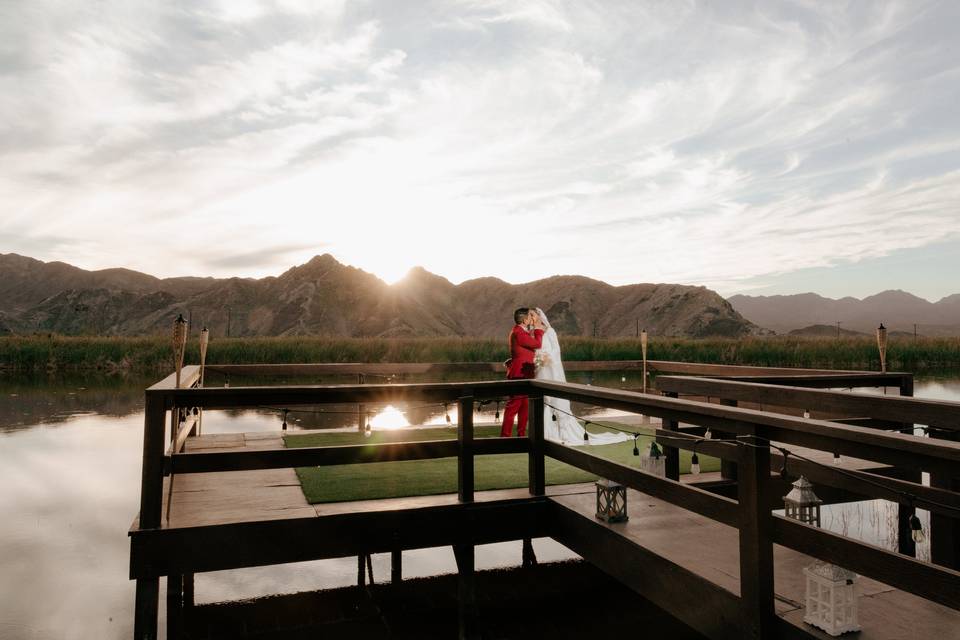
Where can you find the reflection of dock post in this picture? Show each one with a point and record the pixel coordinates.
(174, 607)
(466, 591)
(671, 454)
(756, 542)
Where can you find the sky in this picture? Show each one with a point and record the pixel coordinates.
(752, 147)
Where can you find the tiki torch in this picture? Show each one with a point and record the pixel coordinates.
(882, 346)
(179, 344)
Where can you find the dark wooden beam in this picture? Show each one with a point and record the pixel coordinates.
(756, 544)
(536, 467)
(697, 500)
(465, 449)
(151, 478)
(895, 408)
(701, 604)
(250, 544)
(928, 581)
(146, 608)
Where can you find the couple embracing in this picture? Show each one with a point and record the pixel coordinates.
(535, 353)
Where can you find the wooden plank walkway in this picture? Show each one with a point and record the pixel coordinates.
(710, 549)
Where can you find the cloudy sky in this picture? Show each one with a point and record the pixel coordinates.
(765, 147)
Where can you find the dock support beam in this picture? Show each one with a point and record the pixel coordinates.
(728, 468)
(145, 609)
(536, 466)
(396, 566)
(174, 607)
(756, 542)
(466, 591)
(465, 455)
(672, 454)
(529, 558)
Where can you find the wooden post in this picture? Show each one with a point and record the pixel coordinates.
(151, 508)
(536, 467)
(396, 566)
(756, 544)
(465, 454)
(466, 591)
(728, 468)
(145, 609)
(174, 607)
(361, 571)
(905, 543)
(189, 594)
(528, 557)
(671, 454)
(945, 530)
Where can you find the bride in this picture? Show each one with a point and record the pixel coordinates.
(559, 423)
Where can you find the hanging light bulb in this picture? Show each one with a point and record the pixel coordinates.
(836, 458)
(695, 464)
(368, 428)
(708, 434)
(586, 436)
(636, 451)
(497, 417)
(806, 413)
(623, 378)
(446, 411)
(283, 426)
(553, 416)
(916, 530)
(226, 383)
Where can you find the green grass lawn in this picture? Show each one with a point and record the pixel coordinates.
(429, 477)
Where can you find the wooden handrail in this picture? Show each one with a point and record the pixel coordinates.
(939, 413)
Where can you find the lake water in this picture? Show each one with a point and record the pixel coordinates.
(69, 488)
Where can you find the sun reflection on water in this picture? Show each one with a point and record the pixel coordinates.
(389, 418)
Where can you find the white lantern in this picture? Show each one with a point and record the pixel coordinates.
(654, 462)
(802, 503)
(832, 593)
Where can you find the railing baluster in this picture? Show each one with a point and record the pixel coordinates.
(756, 543)
(465, 478)
(671, 463)
(536, 464)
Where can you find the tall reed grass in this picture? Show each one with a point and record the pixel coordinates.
(154, 354)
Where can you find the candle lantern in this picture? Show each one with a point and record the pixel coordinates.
(802, 503)
(882, 346)
(655, 462)
(831, 602)
(611, 501)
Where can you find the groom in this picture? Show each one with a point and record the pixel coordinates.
(523, 345)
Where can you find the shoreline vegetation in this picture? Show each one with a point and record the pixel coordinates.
(54, 353)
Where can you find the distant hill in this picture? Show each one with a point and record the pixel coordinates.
(825, 331)
(897, 310)
(325, 297)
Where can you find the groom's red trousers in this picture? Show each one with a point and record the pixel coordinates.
(517, 407)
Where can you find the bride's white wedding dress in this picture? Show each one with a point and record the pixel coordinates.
(565, 428)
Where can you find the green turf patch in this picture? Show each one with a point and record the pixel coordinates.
(375, 480)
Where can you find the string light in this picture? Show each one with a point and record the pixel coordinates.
(283, 426)
(836, 458)
(708, 434)
(586, 436)
(497, 417)
(368, 428)
(783, 469)
(695, 464)
(636, 450)
(916, 530)
(553, 416)
(446, 411)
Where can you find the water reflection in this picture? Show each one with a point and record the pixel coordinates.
(69, 472)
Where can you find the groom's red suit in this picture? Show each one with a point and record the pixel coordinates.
(523, 345)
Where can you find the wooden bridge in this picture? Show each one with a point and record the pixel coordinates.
(708, 550)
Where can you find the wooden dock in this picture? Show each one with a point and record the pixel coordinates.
(705, 549)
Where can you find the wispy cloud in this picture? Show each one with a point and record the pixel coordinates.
(694, 142)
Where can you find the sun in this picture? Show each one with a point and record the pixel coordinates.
(389, 418)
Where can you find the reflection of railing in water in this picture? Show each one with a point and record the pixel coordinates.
(750, 613)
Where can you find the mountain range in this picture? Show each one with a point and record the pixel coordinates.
(896, 309)
(325, 297)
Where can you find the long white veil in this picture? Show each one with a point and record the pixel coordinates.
(560, 425)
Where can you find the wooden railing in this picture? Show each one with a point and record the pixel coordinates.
(748, 447)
